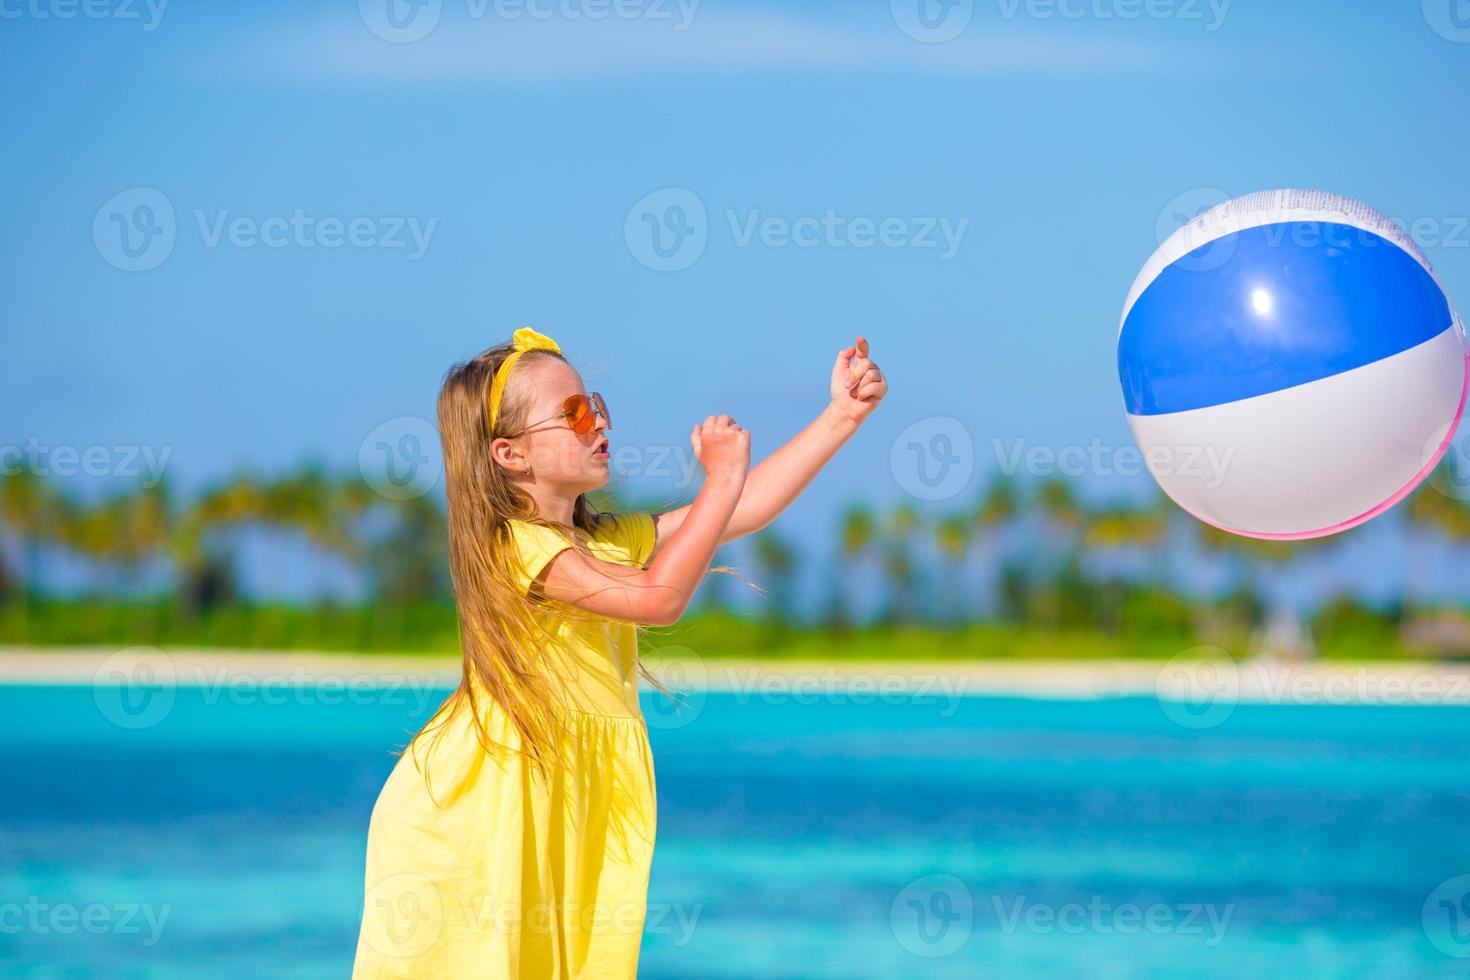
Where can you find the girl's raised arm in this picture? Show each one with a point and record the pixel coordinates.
(659, 594)
(857, 388)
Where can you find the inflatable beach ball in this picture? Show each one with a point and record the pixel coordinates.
(1291, 366)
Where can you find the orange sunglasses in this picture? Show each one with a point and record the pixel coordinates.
(580, 411)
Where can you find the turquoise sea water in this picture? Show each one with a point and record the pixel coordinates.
(980, 837)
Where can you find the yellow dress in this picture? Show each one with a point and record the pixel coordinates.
(499, 875)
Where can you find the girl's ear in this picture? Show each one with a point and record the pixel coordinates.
(506, 454)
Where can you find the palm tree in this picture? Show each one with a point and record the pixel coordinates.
(326, 512)
(1065, 516)
(858, 533)
(31, 514)
(128, 529)
(1259, 565)
(200, 548)
(1000, 503)
(410, 562)
(1127, 527)
(896, 540)
(400, 545)
(953, 537)
(777, 562)
(92, 532)
(1058, 504)
(1119, 527)
(998, 507)
(1429, 512)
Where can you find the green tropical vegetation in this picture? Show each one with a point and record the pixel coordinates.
(1017, 570)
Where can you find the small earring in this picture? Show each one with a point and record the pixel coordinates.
(528, 469)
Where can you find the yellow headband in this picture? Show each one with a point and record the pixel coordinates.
(525, 340)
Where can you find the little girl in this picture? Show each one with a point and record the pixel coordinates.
(515, 834)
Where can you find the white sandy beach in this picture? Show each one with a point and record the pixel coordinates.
(1323, 681)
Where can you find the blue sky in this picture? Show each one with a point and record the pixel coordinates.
(1059, 141)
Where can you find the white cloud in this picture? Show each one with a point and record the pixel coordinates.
(464, 47)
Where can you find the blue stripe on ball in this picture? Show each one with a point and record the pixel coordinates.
(1273, 307)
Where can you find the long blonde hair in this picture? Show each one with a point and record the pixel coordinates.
(504, 635)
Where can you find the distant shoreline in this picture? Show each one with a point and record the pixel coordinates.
(1321, 681)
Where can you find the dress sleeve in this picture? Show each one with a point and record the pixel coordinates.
(633, 531)
(535, 546)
